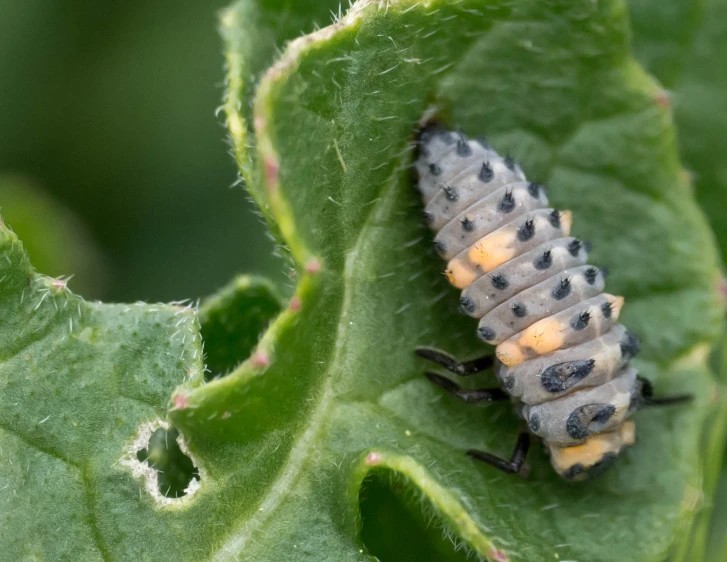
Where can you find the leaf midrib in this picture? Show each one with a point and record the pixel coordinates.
(301, 451)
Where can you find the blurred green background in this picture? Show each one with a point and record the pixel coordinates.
(107, 109)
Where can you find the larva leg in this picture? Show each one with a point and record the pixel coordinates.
(647, 394)
(515, 465)
(472, 396)
(445, 360)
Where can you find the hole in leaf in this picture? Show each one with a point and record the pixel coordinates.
(398, 525)
(175, 469)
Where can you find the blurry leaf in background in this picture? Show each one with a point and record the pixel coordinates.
(56, 241)
(111, 107)
(684, 44)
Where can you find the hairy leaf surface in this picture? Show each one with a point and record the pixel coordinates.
(333, 396)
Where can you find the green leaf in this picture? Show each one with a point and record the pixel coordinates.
(333, 396)
(717, 540)
(232, 320)
(79, 382)
(684, 44)
(254, 33)
(342, 394)
(664, 35)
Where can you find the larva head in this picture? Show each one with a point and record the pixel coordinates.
(594, 455)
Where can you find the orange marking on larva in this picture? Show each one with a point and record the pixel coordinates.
(294, 304)
(594, 447)
(313, 266)
(617, 304)
(543, 337)
(260, 359)
(458, 274)
(566, 221)
(509, 354)
(493, 250)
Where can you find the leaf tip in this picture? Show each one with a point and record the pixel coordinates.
(497, 555)
(662, 99)
(260, 359)
(180, 401)
(373, 458)
(271, 173)
(313, 266)
(60, 284)
(722, 289)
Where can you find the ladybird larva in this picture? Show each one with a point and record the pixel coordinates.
(561, 355)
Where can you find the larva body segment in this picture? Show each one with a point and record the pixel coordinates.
(561, 355)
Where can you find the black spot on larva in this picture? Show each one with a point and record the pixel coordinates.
(451, 193)
(575, 427)
(607, 309)
(582, 473)
(486, 173)
(544, 261)
(507, 203)
(467, 304)
(562, 289)
(590, 275)
(580, 321)
(578, 422)
(500, 282)
(487, 334)
(534, 189)
(629, 345)
(554, 218)
(510, 163)
(435, 170)
(463, 148)
(526, 230)
(467, 225)
(429, 217)
(534, 423)
(573, 471)
(600, 467)
(509, 383)
(429, 132)
(562, 376)
(603, 415)
(440, 246)
(519, 310)
(574, 247)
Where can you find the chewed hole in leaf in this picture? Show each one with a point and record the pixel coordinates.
(399, 525)
(175, 469)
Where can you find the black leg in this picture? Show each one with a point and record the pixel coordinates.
(515, 465)
(647, 395)
(451, 364)
(473, 396)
